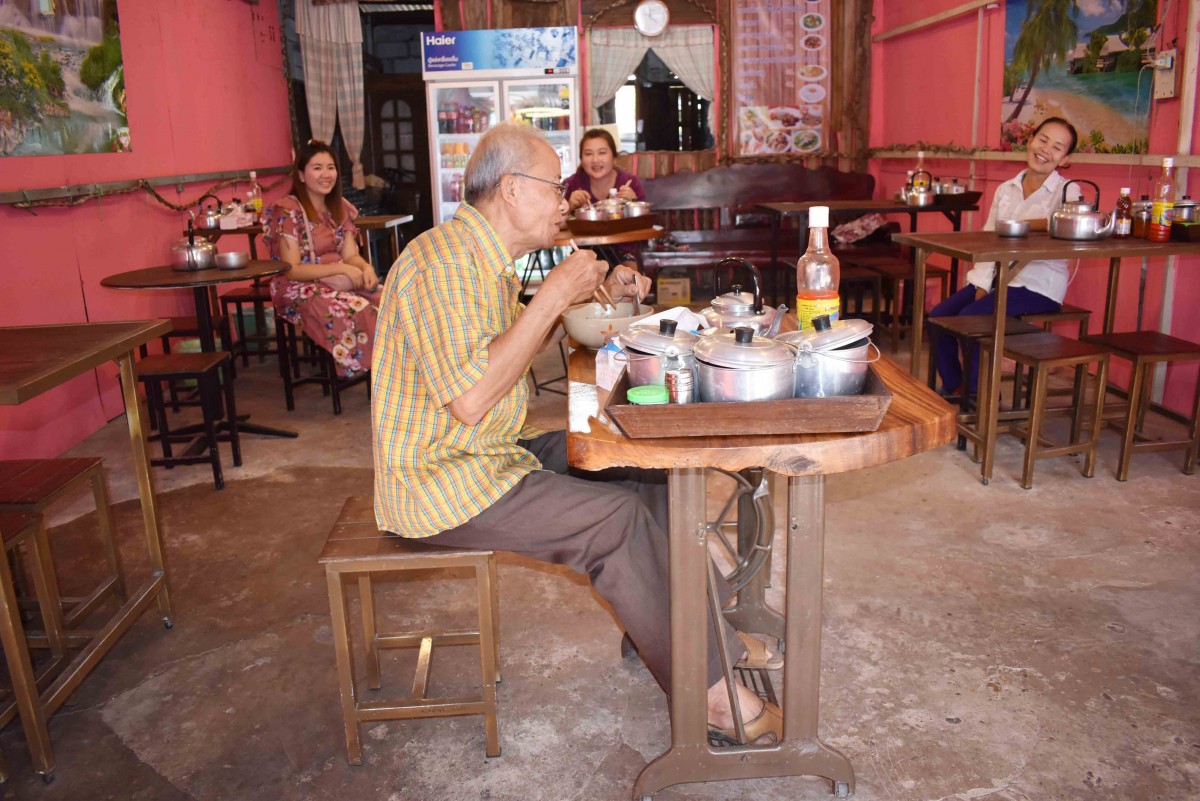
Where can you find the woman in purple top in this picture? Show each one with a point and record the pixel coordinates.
(598, 175)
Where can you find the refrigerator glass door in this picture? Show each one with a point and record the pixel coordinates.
(547, 104)
(459, 113)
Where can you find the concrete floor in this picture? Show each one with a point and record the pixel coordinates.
(980, 642)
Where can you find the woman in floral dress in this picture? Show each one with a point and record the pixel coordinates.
(331, 291)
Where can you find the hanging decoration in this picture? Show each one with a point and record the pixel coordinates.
(781, 60)
(62, 78)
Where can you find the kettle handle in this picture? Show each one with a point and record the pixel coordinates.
(1092, 184)
(755, 279)
(928, 175)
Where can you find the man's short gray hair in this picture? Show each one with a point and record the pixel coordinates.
(502, 150)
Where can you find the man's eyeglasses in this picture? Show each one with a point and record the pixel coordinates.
(561, 186)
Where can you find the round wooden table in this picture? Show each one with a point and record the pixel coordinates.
(167, 277)
(917, 420)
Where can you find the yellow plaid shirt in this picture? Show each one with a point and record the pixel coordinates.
(451, 292)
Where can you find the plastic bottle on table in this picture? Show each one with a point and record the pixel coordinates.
(1163, 200)
(817, 273)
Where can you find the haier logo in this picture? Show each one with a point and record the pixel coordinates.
(439, 40)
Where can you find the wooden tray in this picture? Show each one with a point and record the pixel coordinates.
(845, 414)
(617, 226)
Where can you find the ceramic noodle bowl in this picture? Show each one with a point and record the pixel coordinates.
(591, 324)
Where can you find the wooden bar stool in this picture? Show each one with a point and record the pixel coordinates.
(855, 282)
(968, 331)
(28, 486)
(1145, 349)
(356, 548)
(204, 369)
(257, 297)
(895, 272)
(287, 343)
(25, 531)
(1042, 352)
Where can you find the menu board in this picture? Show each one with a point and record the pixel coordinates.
(781, 62)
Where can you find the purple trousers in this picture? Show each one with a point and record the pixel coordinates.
(610, 526)
(1020, 301)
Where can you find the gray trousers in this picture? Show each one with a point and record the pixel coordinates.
(610, 526)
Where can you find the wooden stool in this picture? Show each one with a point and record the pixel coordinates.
(28, 486)
(21, 530)
(203, 368)
(894, 272)
(1145, 349)
(857, 281)
(969, 330)
(188, 328)
(356, 548)
(1042, 352)
(1065, 314)
(287, 338)
(258, 296)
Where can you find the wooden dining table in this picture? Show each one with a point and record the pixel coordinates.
(199, 281)
(34, 359)
(952, 208)
(1011, 254)
(917, 420)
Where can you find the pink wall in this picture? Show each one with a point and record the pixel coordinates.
(922, 89)
(206, 92)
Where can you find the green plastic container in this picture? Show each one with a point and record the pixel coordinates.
(650, 395)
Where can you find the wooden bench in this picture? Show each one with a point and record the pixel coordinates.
(712, 214)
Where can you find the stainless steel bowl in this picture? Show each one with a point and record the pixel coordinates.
(1012, 227)
(233, 260)
(636, 208)
(590, 213)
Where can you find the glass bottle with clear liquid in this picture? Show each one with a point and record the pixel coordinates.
(817, 273)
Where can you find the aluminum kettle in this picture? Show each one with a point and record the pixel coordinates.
(738, 308)
(1078, 220)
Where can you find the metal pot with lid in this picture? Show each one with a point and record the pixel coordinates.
(1185, 210)
(736, 365)
(652, 350)
(831, 357)
(738, 308)
(1077, 219)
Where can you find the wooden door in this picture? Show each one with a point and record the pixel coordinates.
(400, 144)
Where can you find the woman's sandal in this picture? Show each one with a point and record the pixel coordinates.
(758, 657)
(768, 721)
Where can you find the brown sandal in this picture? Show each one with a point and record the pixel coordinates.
(768, 721)
(757, 656)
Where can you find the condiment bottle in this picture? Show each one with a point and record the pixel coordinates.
(1141, 217)
(1123, 216)
(1163, 198)
(254, 201)
(817, 273)
(918, 180)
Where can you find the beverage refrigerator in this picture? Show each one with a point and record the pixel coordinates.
(475, 79)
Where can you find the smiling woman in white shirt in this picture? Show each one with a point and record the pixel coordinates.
(1032, 194)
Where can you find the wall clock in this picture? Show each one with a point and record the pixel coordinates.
(651, 17)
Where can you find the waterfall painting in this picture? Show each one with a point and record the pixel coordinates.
(62, 79)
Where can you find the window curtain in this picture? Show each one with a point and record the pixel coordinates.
(614, 53)
(331, 49)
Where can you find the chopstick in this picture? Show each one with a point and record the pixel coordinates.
(601, 295)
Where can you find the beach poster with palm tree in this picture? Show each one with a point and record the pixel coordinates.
(62, 78)
(1081, 60)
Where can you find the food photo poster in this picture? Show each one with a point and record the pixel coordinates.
(781, 58)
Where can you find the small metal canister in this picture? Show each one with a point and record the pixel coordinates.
(680, 380)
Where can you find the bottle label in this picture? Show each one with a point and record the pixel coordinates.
(1161, 213)
(808, 308)
(1124, 227)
